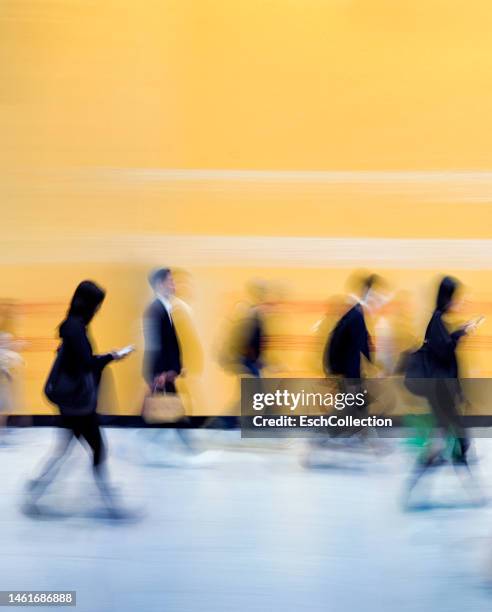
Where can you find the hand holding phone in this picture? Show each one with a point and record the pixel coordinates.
(123, 352)
(472, 325)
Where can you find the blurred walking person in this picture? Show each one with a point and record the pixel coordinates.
(350, 342)
(73, 386)
(162, 356)
(241, 350)
(346, 347)
(251, 341)
(10, 362)
(433, 372)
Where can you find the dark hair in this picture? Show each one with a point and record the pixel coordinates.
(85, 301)
(373, 280)
(157, 276)
(447, 288)
(360, 282)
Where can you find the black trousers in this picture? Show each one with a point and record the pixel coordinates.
(444, 398)
(86, 426)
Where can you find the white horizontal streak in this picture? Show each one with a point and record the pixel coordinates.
(251, 251)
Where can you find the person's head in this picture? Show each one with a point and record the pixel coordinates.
(257, 290)
(86, 301)
(162, 282)
(370, 289)
(370, 284)
(183, 283)
(447, 293)
(360, 283)
(378, 295)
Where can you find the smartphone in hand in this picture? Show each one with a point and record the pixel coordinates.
(474, 324)
(124, 351)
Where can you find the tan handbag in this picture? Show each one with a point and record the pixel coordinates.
(162, 408)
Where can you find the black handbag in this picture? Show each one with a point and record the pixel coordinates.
(73, 393)
(418, 372)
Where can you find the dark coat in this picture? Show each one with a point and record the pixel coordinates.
(441, 348)
(78, 358)
(74, 378)
(348, 341)
(162, 350)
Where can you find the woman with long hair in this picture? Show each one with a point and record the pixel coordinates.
(73, 386)
(442, 386)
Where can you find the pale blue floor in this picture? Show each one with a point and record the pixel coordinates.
(246, 528)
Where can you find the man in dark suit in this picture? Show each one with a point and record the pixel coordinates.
(349, 341)
(162, 356)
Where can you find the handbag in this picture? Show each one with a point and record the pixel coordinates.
(162, 408)
(417, 372)
(73, 393)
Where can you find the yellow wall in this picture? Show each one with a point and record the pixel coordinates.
(387, 101)
(290, 84)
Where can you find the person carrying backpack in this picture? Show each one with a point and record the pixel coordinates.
(432, 372)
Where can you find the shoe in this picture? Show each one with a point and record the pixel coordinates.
(30, 508)
(33, 483)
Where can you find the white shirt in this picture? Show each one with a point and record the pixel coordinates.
(167, 305)
(352, 298)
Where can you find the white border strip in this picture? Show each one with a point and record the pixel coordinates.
(252, 251)
(300, 176)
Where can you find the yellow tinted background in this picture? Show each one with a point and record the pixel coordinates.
(352, 119)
